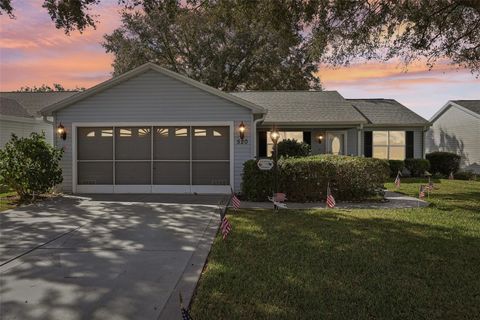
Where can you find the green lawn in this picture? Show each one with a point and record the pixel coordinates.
(421, 263)
(6, 200)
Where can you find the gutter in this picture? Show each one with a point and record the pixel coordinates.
(48, 121)
(255, 122)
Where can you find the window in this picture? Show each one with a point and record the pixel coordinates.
(284, 135)
(389, 145)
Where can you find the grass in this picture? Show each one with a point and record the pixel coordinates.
(421, 263)
(8, 200)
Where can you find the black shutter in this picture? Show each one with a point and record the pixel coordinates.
(367, 143)
(307, 137)
(409, 145)
(262, 143)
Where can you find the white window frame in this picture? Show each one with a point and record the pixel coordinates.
(388, 143)
(151, 188)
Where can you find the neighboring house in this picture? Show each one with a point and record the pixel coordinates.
(153, 130)
(456, 128)
(19, 113)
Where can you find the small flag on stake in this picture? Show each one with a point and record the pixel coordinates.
(397, 180)
(225, 226)
(430, 184)
(451, 177)
(421, 192)
(235, 202)
(330, 199)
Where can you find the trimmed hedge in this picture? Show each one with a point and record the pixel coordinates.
(395, 167)
(292, 148)
(443, 162)
(305, 179)
(417, 167)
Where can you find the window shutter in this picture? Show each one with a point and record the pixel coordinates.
(307, 137)
(367, 143)
(409, 145)
(262, 143)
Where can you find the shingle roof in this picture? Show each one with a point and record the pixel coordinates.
(472, 105)
(387, 112)
(33, 102)
(303, 107)
(10, 107)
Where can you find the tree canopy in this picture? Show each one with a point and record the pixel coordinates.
(230, 45)
(333, 31)
(47, 88)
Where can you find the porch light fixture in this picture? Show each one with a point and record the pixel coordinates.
(320, 139)
(241, 129)
(274, 135)
(62, 133)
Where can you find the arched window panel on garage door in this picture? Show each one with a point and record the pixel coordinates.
(211, 143)
(133, 143)
(171, 143)
(95, 143)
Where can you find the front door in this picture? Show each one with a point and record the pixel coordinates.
(336, 142)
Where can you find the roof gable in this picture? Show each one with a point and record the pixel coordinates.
(33, 102)
(142, 69)
(10, 107)
(472, 107)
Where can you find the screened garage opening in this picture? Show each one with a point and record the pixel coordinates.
(163, 159)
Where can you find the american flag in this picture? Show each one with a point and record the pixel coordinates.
(421, 192)
(225, 226)
(451, 177)
(430, 184)
(235, 202)
(397, 180)
(330, 199)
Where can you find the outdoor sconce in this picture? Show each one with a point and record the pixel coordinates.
(320, 139)
(241, 131)
(62, 133)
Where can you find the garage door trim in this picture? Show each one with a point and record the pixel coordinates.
(151, 188)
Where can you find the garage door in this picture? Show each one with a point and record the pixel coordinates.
(178, 159)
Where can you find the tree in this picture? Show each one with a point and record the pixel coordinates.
(292, 148)
(405, 29)
(30, 166)
(230, 45)
(46, 88)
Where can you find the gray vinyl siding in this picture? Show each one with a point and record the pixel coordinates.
(23, 129)
(459, 132)
(154, 97)
(417, 138)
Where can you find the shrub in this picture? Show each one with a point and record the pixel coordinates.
(293, 148)
(305, 179)
(30, 166)
(443, 162)
(417, 167)
(466, 175)
(395, 167)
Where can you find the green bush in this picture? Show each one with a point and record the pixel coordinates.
(395, 167)
(443, 162)
(466, 175)
(305, 179)
(30, 166)
(417, 167)
(293, 148)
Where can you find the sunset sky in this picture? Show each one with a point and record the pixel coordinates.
(33, 52)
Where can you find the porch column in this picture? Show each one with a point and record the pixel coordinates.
(359, 141)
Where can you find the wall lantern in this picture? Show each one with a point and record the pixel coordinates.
(241, 129)
(320, 139)
(62, 133)
(274, 135)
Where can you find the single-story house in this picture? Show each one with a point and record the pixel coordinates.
(456, 128)
(20, 113)
(153, 130)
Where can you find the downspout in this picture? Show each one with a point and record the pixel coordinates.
(254, 128)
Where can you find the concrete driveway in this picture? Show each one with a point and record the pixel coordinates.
(104, 256)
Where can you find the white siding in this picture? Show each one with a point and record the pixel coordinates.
(23, 129)
(154, 97)
(458, 132)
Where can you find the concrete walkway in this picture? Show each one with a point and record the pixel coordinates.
(393, 200)
(104, 256)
